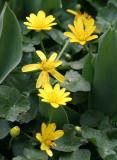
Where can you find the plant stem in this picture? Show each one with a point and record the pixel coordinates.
(86, 48)
(31, 138)
(42, 45)
(51, 114)
(10, 142)
(63, 49)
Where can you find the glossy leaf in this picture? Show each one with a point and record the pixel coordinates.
(105, 79)
(12, 103)
(81, 154)
(10, 42)
(4, 128)
(75, 82)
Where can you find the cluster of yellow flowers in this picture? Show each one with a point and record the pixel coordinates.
(82, 28)
(81, 32)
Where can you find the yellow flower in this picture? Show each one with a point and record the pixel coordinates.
(15, 131)
(47, 67)
(55, 96)
(40, 21)
(82, 29)
(47, 136)
(78, 14)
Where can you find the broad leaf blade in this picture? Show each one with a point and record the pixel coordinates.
(10, 42)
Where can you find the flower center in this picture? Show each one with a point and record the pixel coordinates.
(46, 66)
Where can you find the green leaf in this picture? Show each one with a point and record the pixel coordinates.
(82, 154)
(88, 69)
(106, 16)
(4, 128)
(1, 157)
(19, 144)
(91, 118)
(114, 2)
(36, 5)
(111, 157)
(10, 42)
(59, 115)
(12, 103)
(100, 140)
(105, 78)
(19, 158)
(69, 142)
(77, 65)
(33, 154)
(75, 82)
(57, 36)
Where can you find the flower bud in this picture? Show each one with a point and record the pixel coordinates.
(78, 129)
(15, 131)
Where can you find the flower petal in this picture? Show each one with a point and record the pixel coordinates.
(42, 79)
(72, 11)
(49, 152)
(39, 137)
(44, 147)
(30, 67)
(57, 134)
(52, 57)
(55, 105)
(41, 55)
(43, 128)
(57, 75)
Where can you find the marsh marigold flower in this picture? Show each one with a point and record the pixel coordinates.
(82, 29)
(40, 21)
(47, 66)
(55, 96)
(47, 136)
(15, 131)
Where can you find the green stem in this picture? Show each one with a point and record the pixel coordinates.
(51, 114)
(63, 49)
(86, 48)
(42, 45)
(31, 138)
(10, 142)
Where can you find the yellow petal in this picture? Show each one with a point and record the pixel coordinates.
(43, 128)
(41, 55)
(39, 137)
(51, 128)
(72, 11)
(49, 19)
(49, 152)
(48, 87)
(44, 147)
(58, 63)
(57, 134)
(52, 57)
(41, 15)
(70, 35)
(57, 88)
(57, 75)
(92, 37)
(73, 29)
(42, 79)
(30, 67)
(55, 105)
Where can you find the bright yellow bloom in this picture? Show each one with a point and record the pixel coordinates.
(47, 67)
(82, 29)
(55, 96)
(78, 14)
(15, 131)
(47, 136)
(40, 21)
